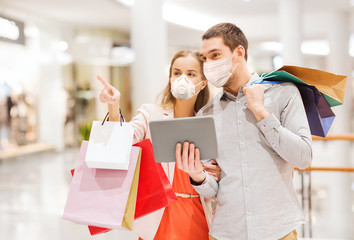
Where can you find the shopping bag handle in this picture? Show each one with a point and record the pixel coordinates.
(106, 118)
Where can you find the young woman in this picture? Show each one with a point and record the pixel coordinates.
(186, 92)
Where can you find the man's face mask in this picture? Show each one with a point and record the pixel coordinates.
(218, 72)
(183, 88)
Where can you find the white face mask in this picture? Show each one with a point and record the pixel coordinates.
(183, 88)
(218, 72)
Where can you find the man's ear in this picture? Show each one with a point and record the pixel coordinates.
(240, 51)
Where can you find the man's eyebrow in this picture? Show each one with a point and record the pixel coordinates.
(210, 51)
(214, 50)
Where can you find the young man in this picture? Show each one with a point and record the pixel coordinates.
(263, 134)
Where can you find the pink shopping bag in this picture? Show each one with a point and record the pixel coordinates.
(98, 197)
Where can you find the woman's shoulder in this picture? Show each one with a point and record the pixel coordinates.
(149, 107)
(155, 110)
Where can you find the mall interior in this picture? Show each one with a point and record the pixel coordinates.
(52, 51)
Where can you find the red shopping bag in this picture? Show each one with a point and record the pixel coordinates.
(154, 188)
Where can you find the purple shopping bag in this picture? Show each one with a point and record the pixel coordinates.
(319, 114)
(99, 197)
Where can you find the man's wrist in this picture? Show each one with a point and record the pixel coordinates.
(260, 113)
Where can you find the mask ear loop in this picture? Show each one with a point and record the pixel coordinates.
(236, 63)
(200, 89)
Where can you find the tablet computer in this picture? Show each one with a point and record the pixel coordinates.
(165, 134)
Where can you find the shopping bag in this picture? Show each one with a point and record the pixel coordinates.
(319, 114)
(94, 230)
(154, 189)
(331, 86)
(109, 145)
(99, 197)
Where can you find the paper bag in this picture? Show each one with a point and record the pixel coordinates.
(331, 86)
(99, 197)
(109, 145)
(319, 114)
(154, 189)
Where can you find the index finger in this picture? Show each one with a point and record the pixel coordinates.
(104, 82)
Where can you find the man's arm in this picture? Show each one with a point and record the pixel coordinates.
(188, 160)
(290, 136)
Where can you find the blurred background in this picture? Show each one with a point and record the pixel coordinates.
(51, 52)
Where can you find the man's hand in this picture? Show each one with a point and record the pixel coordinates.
(188, 160)
(213, 169)
(254, 97)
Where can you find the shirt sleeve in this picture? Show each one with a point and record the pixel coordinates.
(140, 123)
(208, 188)
(290, 136)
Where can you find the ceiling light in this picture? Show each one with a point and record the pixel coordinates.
(187, 18)
(179, 15)
(272, 46)
(62, 46)
(315, 47)
(127, 3)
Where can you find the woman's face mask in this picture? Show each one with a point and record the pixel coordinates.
(183, 88)
(218, 72)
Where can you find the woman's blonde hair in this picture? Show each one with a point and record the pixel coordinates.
(168, 100)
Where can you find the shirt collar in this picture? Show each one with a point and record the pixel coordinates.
(229, 96)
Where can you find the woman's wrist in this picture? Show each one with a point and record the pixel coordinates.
(114, 112)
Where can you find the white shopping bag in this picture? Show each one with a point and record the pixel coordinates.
(110, 145)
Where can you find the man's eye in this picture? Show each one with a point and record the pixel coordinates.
(215, 55)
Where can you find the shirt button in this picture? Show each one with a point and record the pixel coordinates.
(246, 189)
(237, 101)
(248, 213)
(244, 164)
(238, 122)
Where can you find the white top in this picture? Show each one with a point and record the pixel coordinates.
(146, 227)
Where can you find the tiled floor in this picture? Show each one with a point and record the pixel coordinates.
(33, 192)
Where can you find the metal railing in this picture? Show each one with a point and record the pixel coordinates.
(306, 192)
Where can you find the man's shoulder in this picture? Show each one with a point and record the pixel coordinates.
(208, 108)
(284, 89)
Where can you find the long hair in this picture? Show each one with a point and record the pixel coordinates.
(168, 100)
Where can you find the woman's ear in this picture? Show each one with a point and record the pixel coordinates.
(205, 82)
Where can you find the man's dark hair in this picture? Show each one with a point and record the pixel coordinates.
(231, 35)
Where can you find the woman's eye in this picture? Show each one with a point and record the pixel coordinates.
(191, 75)
(176, 74)
(215, 55)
